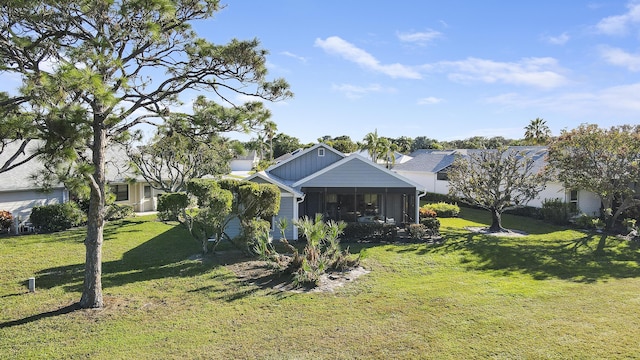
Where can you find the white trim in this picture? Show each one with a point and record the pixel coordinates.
(320, 152)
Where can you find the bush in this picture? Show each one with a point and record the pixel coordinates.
(117, 212)
(374, 232)
(528, 211)
(443, 209)
(427, 213)
(57, 217)
(417, 231)
(555, 211)
(585, 221)
(170, 205)
(432, 225)
(6, 219)
(437, 198)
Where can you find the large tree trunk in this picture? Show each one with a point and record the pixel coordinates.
(92, 289)
(496, 221)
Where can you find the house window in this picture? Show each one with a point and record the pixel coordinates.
(121, 192)
(320, 152)
(442, 175)
(147, 191)
(573, 200)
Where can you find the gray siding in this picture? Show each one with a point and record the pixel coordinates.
(356, 173)
(286, 211)
(20, 203)
(306, 165)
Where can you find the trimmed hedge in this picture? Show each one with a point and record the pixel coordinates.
(443, 209)
(170, 205)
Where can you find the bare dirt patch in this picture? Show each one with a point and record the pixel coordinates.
(264, 275)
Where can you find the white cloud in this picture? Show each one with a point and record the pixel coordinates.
(619, 101)
(558, 40)
(537, 72)
(420, 38)
(292, 55)
(429, 101)
(619, 57)
(619, 24)
(356, 92)
(337, 46)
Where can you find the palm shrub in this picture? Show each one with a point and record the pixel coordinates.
(322, 251)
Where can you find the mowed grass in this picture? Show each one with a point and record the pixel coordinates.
(541, 296)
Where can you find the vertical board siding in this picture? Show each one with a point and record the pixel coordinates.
(305, 165)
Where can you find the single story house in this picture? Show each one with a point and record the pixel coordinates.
(351, 188)
(429, 169)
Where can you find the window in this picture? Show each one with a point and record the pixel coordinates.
(147, 191)
(573, 200)
(442, 175)
(121, 192)
(321, 152)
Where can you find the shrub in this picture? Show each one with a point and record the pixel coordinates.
(6, 219)
(555, 211)
(251, 231)
(427, 213)
(57, 217)
(436, 198)
(443, 209)
(117, 212)
(417, 231)
(431, 225)
(630, 224)
(585, 221)
(528, 211)
(170, 205)
(374, 232)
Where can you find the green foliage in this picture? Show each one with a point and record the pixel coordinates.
(602, 161)
(585, 221)
(321, 253)
(417, 231)
(556, 211)
(437, 198)
(56, 217)
(6, 219)
(496, 180)
(630, 224)
(431, 225)
(443, 209)
(170, 205)
(371, 232)
(118, 212)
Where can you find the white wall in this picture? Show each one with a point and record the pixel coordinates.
(551, 191)
(20, 203)
(589, 203)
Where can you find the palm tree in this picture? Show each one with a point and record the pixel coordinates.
(371, 143)
(537, 132)
(270, 129)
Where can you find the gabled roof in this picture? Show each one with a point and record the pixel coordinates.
(298, 153)
(433, 161)
(272, 179)
(359, 158)
(427, 160)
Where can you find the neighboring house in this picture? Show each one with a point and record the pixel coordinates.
(244, 163)
(429, 169)
(18, 194)
(343, 187)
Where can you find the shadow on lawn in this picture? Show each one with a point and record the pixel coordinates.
(169, 254)
(576, 259)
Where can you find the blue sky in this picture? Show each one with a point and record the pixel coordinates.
(443, 69)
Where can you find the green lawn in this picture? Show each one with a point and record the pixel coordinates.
(542, 296)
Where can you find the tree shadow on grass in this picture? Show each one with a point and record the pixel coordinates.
(167, 255)
(575, 259)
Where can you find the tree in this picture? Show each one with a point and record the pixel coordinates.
(423, 142)
(94, 70)
(284, 144)
(496, 180)
(404, 144)
(537, 132)
(173, 157)
(603, 161)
